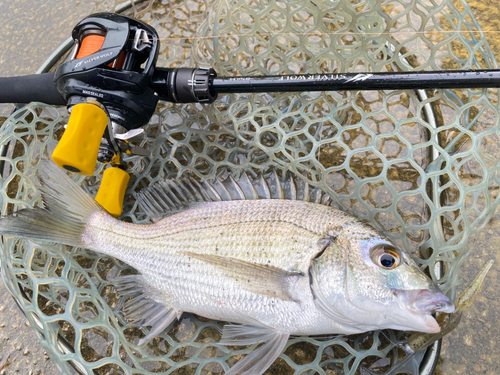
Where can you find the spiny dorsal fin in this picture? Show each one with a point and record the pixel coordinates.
(224, 194)
(233, 189)
(289, 188)
(276, 187)
(170, 196)
(247, 187)
(262, 188)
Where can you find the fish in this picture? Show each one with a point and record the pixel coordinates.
(271, 257)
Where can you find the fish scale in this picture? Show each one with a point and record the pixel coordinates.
(218, 224)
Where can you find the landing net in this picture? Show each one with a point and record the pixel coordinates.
(420, 166)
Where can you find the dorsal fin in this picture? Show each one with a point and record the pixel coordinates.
(316, 195)
(233, 188)
(289, 188)
(262, 188)
(247, 187)
(170, 196)
(221, 190)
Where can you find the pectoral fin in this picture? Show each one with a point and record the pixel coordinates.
(260, 279)
(259, 360)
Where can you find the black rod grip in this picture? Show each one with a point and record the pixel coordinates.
(32, 88)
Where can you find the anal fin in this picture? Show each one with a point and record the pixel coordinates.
(143, 306)
(257, 362)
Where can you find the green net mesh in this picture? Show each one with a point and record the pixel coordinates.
(421, 166)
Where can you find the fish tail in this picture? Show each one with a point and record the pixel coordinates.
(64, 216)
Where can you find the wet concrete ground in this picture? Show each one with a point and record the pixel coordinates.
(32, 29)
(473, 348)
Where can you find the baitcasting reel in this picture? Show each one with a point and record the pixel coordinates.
(105, 84)
(111, 86)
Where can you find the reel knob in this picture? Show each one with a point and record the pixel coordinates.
(112, 190)
(79, 146)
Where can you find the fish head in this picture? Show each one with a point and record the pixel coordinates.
(364, 282)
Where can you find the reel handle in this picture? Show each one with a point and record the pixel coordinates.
(78, 149)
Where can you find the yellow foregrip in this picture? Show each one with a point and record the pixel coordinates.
(78, 148)
(112, 190)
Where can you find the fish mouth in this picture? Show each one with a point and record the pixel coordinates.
(421, 304)
(430, 301)
(423, 322)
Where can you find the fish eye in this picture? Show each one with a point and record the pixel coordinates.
(385, 256)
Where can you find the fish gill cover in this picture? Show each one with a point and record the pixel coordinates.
(377, 153)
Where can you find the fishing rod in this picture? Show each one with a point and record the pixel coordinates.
(111, 85)
(190, 85)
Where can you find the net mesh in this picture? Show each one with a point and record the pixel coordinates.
(421, 166)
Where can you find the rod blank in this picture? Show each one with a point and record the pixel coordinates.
(358, 81)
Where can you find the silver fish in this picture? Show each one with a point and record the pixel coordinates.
(229, 251)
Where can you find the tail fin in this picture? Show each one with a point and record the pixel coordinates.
(66, 211)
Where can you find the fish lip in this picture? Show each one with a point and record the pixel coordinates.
(429, 323)
(420, 304)
(425, 301)
(432, 301)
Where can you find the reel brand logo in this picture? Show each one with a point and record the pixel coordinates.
(360, 77)
(324, 77)
(104, 55)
